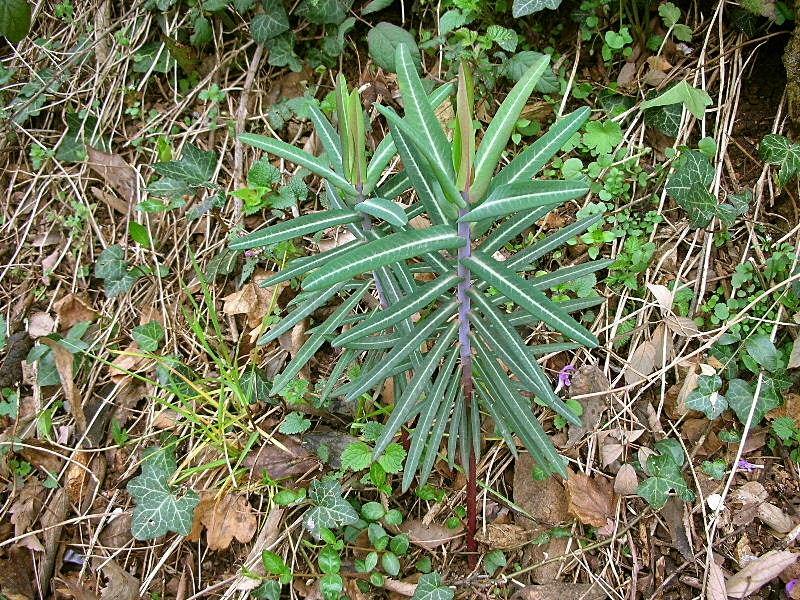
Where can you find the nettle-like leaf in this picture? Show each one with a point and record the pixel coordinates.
(664, 476)
(523, 8)
(330, 510)
(425, 334)
(780, 151)
(159, 509)
(706, 397)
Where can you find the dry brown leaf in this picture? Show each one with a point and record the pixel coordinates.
(64, 362)
(561, 591)
(16, 575)
(72, 309)
(117, 174)
(252, 300)
(544, 500)
(683, 326)
(626, 481)
(121, 585)
(794, 356)
(588, 379)
(284, 457)
(663, 296)
(27, 505)
(654, 77)
(648, 356)
(790, 408)
(659, 63)
(17, 347)
(41, 324)
(132, 360)
(673, 513)
(42, 454)
(504, 536)
(715, 589)
(224, 519)
(627, 73)
(591, 499)
(758, 572)
(429, 536)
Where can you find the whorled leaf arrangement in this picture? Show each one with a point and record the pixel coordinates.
(469, 340)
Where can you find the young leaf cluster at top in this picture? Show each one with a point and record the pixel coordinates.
(450, 363)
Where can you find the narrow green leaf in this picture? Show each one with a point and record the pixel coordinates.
(298, 315)
(523, 293)
(531, 160)
(298, 157)
(412, 394)
(394, 186)
(287, 230)
(383, 209)
(382, 252)
(383, 319)
(487, 397)
(523, 258)
(511, 228)
(502, 124)
(563, 275)
(328, 137)
(440, 424)
(525, 195)
(305, 264)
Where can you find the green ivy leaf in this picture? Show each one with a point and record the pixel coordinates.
(114, 270)
(762, 350)
(692, 168)
(779, 151)
(517, 65)
(15, 19)
(148, 336)
(665, 476)
(294, 423)
(323, 12)
(158, 509)
(194, 168)
(382, 43)
(706, 397)
(667, 119)
(270, 23)
(494, 560)
(375, 6)
(356, 456)
(504, 37)
(523, 8)
(715, 469)
(740, 398)
(700, 205)
(693, 99)
(431, 587)
(282, 54)
(331, 510)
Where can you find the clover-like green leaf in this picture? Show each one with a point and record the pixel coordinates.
(159, 509)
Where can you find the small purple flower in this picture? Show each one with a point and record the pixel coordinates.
(790, 585)
(746, 466)
(564, 376)
(252, 252)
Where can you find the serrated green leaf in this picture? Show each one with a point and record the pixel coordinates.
(499, 130)
(516, 197)
(392, 458)
(356, 456)
(287, 230)
(294, 423)
(526, 296)
(383, 209)
(706, 397)
(382, 252)
(148, 336)
(158, 509)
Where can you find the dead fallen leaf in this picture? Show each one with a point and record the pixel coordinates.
(544, 500)
(252, 300)
(715, 590)
(626, 481)
(648, 356)
(588, 379)
(429, 536)
(117, 173)
(16, 575)
(283, 457)
(561, 591)
(794, 356)
(663, 296)
(758, 572)
(627, 73)
(683, 326)
(659, 62)
(224, 519)
(17, 347)
(41, 324)
(129, 360)
(121, 585)
(673, 513)
(42, 454)
(591, 499)
(72, 309)
(504, 536)
(64, 362)
(27, 505)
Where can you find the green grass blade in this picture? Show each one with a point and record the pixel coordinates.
(405, 405)
(526, 195)
(382, 252)
(518, 290)
(384, 319)
(531, 160)
(298, 157)
(287, 230)
(502, 124)
(431, 407)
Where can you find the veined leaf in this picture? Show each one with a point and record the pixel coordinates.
(430, 408)
(414, 137)
(525, 195)
(419, 112)
(410, 343)
(411, 395)
(298, 315)
(313, 343)
(386, 149)
(287, 230)
(523, 293)
(504, 338)
(305, 264)
(328, 137)
(511, 228)
(382, 252)
(546, 282)
(500, 128)
(531, 160)
(298, 157)
(383, 209)
(383, 319)
(523, 258)
(375, 342)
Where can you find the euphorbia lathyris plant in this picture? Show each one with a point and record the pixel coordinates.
(454, 361)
